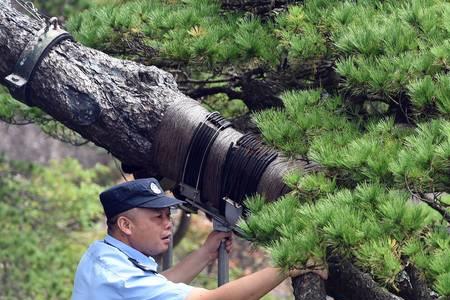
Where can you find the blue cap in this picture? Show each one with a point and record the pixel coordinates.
(146, 192)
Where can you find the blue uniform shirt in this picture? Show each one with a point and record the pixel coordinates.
(112, 270)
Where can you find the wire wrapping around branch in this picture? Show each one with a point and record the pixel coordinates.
(201, 142)
(245, 163)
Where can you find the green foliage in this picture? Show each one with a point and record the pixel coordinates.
(383, 48)
(63, 8)
(297, 36)
(227, 108)
(309, 186)
(379, 151)
(381, 258)
(381, 231)
(12, 111)
(358, 206)
(402, 52)
(423, 162)
(306, 114)
(267, 221)
(17, 113)
(48, 215)
(192, 30)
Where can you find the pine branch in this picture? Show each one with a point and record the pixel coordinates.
(262, 8)
(207, 81)
(203, 92)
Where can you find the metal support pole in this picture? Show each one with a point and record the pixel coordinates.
(223, 265)
(223, 259)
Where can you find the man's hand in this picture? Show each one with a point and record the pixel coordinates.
(194, 263)
(211, 246)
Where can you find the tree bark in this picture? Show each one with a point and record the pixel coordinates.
(347, 282)
(413, 285)
(309, 287)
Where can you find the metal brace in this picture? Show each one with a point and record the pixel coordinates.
(31, 56)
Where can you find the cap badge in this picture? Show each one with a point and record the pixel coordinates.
(155, 189)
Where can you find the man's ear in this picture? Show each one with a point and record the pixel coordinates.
(125, 225)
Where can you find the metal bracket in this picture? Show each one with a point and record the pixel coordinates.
(212, 211)
(190, 192)
(233, 211)
(30, 58)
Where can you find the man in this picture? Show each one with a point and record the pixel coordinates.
(139, 227)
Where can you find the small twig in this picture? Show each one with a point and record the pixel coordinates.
(436, 205)
(203, 92)
(206, 81)
(433, 203)
(119, 168)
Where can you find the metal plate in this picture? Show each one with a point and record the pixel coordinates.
(30, 58)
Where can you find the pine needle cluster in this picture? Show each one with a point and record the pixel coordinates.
(184, 31)
(379, 230)
(378, 150)
(385, 48)
(359, 206)
(392, 47)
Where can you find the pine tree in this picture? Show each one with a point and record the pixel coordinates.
(361, 88)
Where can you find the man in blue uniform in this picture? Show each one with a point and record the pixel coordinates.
(139, 227)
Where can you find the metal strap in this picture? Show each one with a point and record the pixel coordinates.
(201, 142)
(30, 58)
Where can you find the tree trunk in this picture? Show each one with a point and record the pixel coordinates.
(309, 287)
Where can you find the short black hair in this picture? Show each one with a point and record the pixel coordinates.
(111, 223)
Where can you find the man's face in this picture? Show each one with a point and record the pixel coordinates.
(151, 230)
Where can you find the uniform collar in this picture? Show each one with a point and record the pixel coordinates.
(146, 262)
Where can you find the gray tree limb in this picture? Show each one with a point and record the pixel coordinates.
(347, 282)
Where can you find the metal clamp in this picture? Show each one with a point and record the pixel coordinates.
(31, 56)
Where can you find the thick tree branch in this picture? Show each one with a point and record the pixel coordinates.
(136, 112)
(345, 281)
(413, 286)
